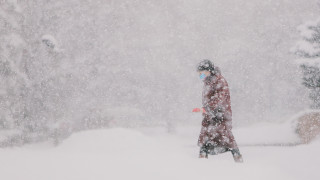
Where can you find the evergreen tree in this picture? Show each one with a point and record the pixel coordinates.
(309, 49)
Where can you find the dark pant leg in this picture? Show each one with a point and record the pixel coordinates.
(204, 151)
(235, 151)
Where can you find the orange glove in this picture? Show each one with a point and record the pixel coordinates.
(196, 110)
(199, 110)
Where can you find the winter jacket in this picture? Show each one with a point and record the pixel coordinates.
(217, 118)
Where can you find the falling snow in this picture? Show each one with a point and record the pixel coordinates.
(93, 89)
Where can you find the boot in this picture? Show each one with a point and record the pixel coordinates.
(237, 156)
(201, 156)
(203, 152)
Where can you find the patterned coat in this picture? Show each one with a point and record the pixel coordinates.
(217, 120)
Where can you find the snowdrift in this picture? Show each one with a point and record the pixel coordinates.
(152, 154)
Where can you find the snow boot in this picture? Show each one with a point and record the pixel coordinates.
(201, 156)
(236, 155)
(203, 152)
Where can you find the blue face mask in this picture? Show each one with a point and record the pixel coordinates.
(202, 76)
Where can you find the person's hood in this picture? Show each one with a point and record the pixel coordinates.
(216, 71)
(214, 75)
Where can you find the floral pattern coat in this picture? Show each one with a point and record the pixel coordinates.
(217, 118)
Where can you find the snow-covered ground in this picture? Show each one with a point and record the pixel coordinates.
(152, 154)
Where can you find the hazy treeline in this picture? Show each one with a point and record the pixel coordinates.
(73, 65)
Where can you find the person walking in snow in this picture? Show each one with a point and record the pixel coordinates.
(215, 135)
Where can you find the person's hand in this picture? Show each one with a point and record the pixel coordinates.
(198, 110)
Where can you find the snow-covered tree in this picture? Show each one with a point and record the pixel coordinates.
(49, 72)
(309, 49)
(13, 77)
(35, 81)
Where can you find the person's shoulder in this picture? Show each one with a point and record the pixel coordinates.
(219, 77)
(221, 80)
